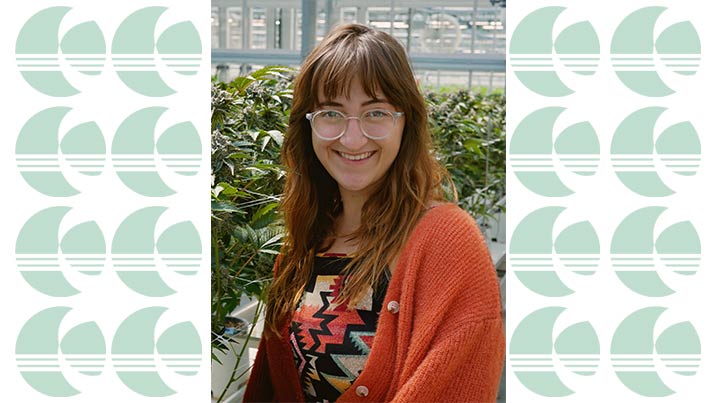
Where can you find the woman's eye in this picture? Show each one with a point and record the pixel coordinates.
(331, 114)
(377, 114)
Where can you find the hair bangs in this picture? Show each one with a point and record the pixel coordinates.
(336, 69)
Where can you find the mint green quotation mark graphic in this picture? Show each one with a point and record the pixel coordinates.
(637, 56)
(536, 158)
(134, 149)
(44, 357)
(133, 352)
(637, 256)
(134, 251)
(38, 150)
(43, 57)
(538, 358)
(39, 351)
(43, 160)
(633, 152)
(133, 49)
(533, 51)
(537, 258)
(44, 257)
(636, 356)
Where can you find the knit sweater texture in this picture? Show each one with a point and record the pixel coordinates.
(445, 343)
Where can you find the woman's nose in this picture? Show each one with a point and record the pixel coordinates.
(353, 139)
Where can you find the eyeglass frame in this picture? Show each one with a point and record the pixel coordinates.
(310, 117)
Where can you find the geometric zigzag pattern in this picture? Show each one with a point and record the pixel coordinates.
(331, 342)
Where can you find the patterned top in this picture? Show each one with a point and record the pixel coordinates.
(331, 342)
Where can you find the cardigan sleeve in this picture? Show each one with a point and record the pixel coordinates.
(259, 388)
(457, 343)
(463, 366)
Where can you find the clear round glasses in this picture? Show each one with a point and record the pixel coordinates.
(376, 124)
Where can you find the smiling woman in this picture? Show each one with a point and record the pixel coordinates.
(356, 151)
(383, 290)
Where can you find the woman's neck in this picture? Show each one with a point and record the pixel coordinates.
(348, 222)
(350, 219)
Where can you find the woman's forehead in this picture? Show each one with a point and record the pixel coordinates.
(355, 89)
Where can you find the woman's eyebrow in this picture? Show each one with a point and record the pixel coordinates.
(369, 102)
(375, 101)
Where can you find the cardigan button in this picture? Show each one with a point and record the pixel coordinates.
(362, 391)
(393, 307)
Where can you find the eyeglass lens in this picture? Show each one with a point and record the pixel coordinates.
(331, 124)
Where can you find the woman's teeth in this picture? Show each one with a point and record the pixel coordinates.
(356, 157)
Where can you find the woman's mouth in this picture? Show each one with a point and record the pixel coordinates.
(356, 157)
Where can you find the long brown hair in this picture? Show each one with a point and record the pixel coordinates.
(312, 202)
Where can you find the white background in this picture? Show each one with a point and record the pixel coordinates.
(604, 201)
(105, 100)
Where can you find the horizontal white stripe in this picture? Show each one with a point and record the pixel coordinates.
(156, 55)
(653, 356)
(154, 68)
(534, 369)
(75, 257)
(47, 160)
(651, 256)
(117, 357)
(532, 68)
(551, 356)
(521, 164)
(555, 269)
(534, 169)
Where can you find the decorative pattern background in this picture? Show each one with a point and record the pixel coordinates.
(609, 278)
(106, 222)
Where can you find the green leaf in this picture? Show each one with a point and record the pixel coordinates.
(264, 216)
(274, 240)
(230, 164)
(269, 251)
(225, 207)
(227, 189)
(241, 83)
(244, 234)
(474, 146)
(270, 71)
(264, 142)
(277, 136)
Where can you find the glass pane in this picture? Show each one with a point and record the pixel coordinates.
(258, 28)
(234, 25)
(215, 27)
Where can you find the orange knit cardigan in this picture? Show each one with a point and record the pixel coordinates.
(445, 343)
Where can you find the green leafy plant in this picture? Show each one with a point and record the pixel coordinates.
(469, 135)
(249, 117)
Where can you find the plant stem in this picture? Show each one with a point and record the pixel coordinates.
(244, 265)
(217, 282)
(233, 378)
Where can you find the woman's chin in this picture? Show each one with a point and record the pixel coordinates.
(354, 186)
